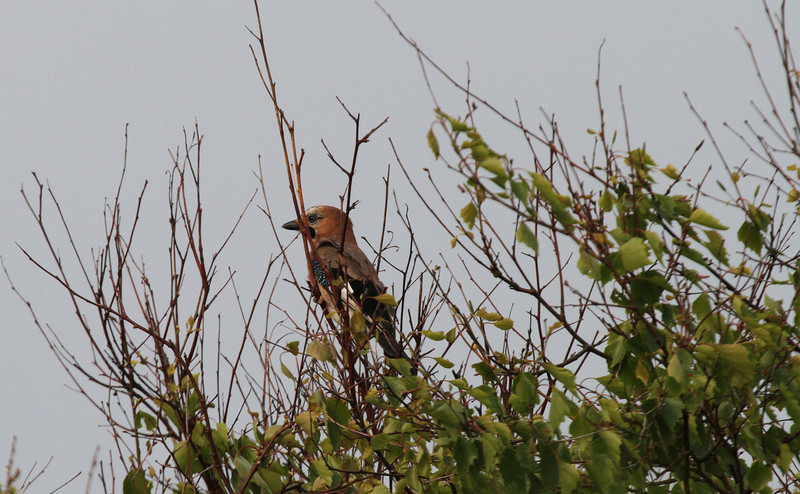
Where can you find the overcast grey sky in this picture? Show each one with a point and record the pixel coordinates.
(74, 74)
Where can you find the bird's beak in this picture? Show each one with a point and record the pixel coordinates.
(291, 225)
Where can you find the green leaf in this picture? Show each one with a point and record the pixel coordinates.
(701, 306)
(655, 243)
(646, 288)
(521, 190)
(380, 442)
(558, 203)
(396, 385)
(671, 172)
(286, 372)
(479, 149)
(634, 254)
(293, 347)
(135, 482)
(386, 299)
(485, 371)
(590, 266)
(564, 376)
(523, 392)
(464, 453)
(489, 446)
(559, 407)
(433, 143)
(671, 410)
(759, 218)
(456, 125)
(545, 188)
(337, 410)
(487, 396)
(443, 362)
(612, 442)
(642, 372)
(322, 471)
(676, 371)
(750, 236)
(320, 350)
(548, 467)
(758, 476)
(444, 413)
(701, 217)
(785, 457)
(186, 459)
(305, 420)
(505, 324)
(716, 246)
(461, 384)
(616, 349)
(527, 237)
(493, 165)
(488, 316)
(606, 201)
(220, 437)
(402, 365)
(170, 412)
(738, 358)
(149, 421)
(469, 213)
(568, 477)
(639, 159)
(433, 335)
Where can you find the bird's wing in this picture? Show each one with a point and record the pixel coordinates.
(362, 286)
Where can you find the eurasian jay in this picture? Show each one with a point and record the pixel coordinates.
(326, 227)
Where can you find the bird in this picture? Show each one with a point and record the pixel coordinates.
(335, 255)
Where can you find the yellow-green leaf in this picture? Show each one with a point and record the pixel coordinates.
(545, 188)
(655, 243)
(443, 362)
(357, 323)
(634, 254)
(564, 376)
(642, 373)
(671, 172)
(676, 371)
(738, 358)
(716, 246)
(493, 165)
(701, 217)
(489, 316)
(304, 420)
(386, 299)
(568, 477)
(606, 201)
(433, 335)
(320, 350)
(505, 324)
(526, 236)
(286, 372)
(469, 213)
(433, 143)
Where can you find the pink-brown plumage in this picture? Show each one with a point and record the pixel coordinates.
(347, 261)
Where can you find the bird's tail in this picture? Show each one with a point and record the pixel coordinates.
(391, 347)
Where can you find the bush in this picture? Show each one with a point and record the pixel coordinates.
(657, 352)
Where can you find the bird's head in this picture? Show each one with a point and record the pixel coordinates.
(325, 222)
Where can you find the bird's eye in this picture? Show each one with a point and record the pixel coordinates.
(312, 218)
